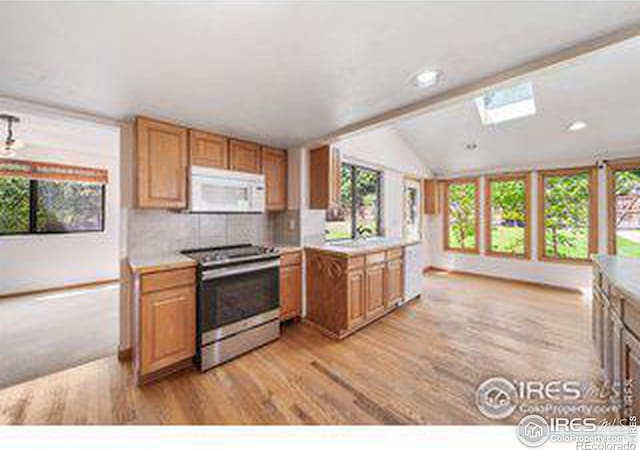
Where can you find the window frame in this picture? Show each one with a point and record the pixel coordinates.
(353, 168)
(445, 194)
(592, 228)
(618, 165)
(33, 210)
(516, 176)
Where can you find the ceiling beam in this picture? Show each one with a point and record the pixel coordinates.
(546, 62)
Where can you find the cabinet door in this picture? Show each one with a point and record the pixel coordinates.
(336, 177)
(431, 200)
(290, 291)
(324, 177)
(162, 159)
(168, 327)
(274, 167)
(597, 313)
(395, 282)
(208, 150)
(631, 374)
(356, 300)
(244, 156)
(375, 292)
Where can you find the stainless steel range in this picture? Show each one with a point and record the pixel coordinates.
(238, 301)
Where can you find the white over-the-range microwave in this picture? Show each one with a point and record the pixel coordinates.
(224, 191)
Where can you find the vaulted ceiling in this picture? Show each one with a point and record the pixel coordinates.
(600, 89)
(282, 73)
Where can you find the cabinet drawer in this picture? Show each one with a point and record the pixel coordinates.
(168, 279)
(394, 253)
(376, 258)
(355, 262)
(291, 259)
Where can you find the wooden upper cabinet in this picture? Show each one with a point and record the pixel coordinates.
(244, 156)
(324, 177)
(161, 164)
(208, 150)
(431, 197)
(274, 168)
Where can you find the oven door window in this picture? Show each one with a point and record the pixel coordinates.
(237, 297)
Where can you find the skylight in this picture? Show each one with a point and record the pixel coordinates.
(506, 104)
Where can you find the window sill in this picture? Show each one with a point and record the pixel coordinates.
(471, 251)
(524, 257)
(570, 261)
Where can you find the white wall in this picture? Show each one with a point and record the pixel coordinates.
(382, 149)
(40, 262)
(386, 150)
(558, 274)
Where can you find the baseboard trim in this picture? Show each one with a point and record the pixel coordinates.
(59, 288)
(142, 380)
(125, 354)
(502, 278)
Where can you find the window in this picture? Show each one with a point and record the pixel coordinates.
(50, 206)
(502, 105)
(623, 192)
(507, 215)
(567, 211)
(359, 211)
(412, 209)
(461, 232)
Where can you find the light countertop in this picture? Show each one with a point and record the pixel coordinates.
(623, 272)
(287, 249)
(351, 248)
(160, 262)
(176, 261)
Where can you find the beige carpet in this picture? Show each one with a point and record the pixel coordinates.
(42, 334)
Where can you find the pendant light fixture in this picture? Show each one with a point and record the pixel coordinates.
(10, 144)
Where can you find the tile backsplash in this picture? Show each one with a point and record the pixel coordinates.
(154, 232)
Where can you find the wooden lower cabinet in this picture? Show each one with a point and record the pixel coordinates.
(164, 321)
(597, 314)
(395, 283)
(375, 293)
(345, 293)
(356, 300)
(290, 287)
(616, 331)
(168, 327)
(631, 371)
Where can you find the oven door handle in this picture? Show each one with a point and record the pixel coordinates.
(236, 270)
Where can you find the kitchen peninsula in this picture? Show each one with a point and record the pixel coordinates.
(351, 284)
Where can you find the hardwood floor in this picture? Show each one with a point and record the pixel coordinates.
(419, 365)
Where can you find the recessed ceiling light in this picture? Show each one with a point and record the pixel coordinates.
(426, 78)
(577, 126)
